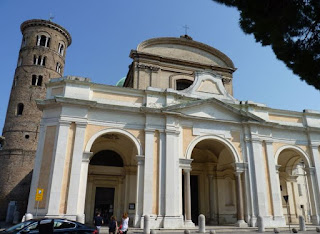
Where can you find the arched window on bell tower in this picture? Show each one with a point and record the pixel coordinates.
(20, 107)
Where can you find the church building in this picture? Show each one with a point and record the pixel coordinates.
(170, 141)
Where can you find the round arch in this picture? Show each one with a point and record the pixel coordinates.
(114, 130)
(224, 141)
(297, 150)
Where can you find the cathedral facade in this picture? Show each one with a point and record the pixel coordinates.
(171, 141)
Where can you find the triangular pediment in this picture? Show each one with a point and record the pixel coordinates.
(212, 109)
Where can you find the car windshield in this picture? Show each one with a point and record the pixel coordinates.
(19, 226)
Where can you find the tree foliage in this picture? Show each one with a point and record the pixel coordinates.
(292, 29)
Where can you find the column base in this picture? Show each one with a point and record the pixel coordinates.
(241, 224)
(172, 222)
(189, 224)
(315, 219)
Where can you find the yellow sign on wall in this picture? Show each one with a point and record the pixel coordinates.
(39, 194)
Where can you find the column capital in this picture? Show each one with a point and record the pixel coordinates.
(86, 156)
(240, 167)
(310, 170)
(149, 130)
(185, 163)
(314, 145)
(64, 123)
(140, 159)
(268, 142)
(187, 170)
(277, 168)
(81, 124)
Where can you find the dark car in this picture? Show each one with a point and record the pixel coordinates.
(48, 226)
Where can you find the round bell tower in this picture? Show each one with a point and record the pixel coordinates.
(41, 57)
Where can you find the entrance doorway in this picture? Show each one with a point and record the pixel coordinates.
(104, 203)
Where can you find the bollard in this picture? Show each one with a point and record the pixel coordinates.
(212, 232)
(260, 224)
(29, 216)
(317, 229)
(146, 228)
(294, 230)
(153, 232)
(276, 230)
(202, 223)
(302, 224)
(186, 231)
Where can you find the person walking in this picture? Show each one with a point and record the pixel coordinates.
(98, 221)
(124, 223)
(113, 225)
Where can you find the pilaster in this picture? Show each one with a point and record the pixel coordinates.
(275, 186)
(78, 175)
(58, 168)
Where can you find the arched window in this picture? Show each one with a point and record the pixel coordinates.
(20, 109)
(39, 83)
(61, 49)
(39, 60)
(107, 158)
(58, 67)
(183, 84)
(36, 80)
(43, 40)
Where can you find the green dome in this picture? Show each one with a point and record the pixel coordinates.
(121, 82)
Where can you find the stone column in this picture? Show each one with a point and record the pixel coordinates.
(240, 211)
(187, 196)
(211, 200)
(83, 180)
(139, 191)
(313, 195)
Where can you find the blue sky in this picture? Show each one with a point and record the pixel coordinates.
(104, 32)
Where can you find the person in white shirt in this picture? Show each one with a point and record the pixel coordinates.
(125, 223)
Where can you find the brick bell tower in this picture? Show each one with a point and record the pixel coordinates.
(41, 57)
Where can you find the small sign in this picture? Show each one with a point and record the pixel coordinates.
(39, 194)
(132, 206)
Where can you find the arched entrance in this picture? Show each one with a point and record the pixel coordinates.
(295, 184)
(215, 181)
(112, 175)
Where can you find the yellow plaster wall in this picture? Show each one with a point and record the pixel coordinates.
(117, 97)
(156, 148)
(235, 139)
(93, 129)
(187, 138)
(277, 145)
(266, 169)
(67, 169)
(282, 118)
(46, 161)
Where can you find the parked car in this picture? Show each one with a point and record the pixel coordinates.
(48, 226)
